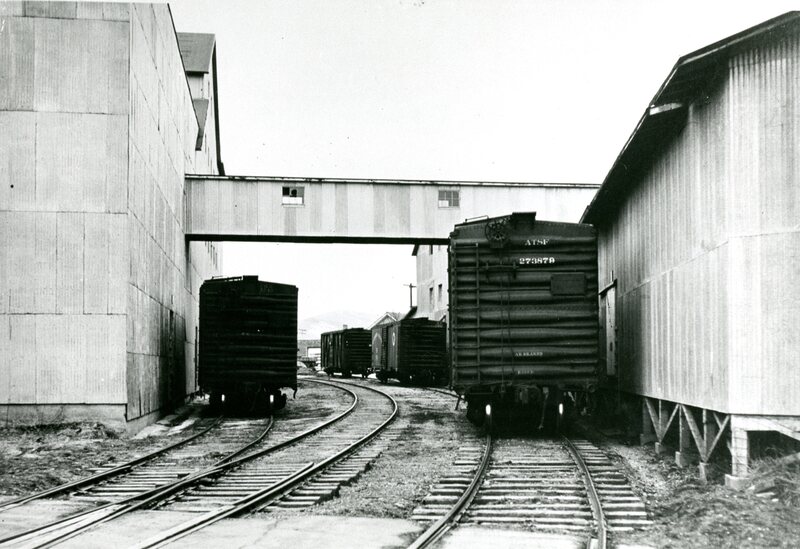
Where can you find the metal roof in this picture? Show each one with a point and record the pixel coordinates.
(196, 51)
(666, 114)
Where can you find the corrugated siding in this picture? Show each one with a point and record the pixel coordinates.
(705, 249)
(764, 216)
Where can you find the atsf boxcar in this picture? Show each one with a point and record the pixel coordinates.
(248, 342)
(347, 352)
(523, 315)
(415, 351)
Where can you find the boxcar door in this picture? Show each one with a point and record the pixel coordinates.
(610, 310)
(393, 348)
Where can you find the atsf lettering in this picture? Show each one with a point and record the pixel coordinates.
(537, 260)
(537, 242)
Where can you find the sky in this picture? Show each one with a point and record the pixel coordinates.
(538, 90)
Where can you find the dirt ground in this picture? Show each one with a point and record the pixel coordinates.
(43, 456)
(686, 513)
(432, 433)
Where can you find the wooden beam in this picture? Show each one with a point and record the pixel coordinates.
(698, 438)
(719, 435)
(655, 418)
(671, 417)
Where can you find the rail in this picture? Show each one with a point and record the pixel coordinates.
(594, 498)
(451, 518)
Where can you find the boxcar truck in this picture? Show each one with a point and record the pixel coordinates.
(523, 318)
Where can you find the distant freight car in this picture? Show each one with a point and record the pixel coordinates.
(523, 317)
(347, 352)
(414, 350)
(248, 342)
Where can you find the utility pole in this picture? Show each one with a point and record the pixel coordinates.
(410, 294)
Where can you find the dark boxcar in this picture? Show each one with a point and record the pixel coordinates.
(523, 315)
(347, 352)
(416, 351)
(248, 342)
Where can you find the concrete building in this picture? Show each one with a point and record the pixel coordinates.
(699, 248)
(98, 287)
(432, 284)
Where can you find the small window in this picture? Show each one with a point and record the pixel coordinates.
(448, 198)
(439, 300)
(430, 249)
(430, 296)
(292, 196)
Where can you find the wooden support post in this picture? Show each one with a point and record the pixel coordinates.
(664, 424)
(659, 446)
(709, 434)
(710, 430)
(683, 457)
(648, 433)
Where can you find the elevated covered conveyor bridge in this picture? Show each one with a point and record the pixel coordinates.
(293, 209)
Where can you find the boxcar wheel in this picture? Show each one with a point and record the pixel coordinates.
(215, 402)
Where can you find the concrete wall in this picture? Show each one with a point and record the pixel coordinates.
(163, 130)
(432, 283)
(251, 207)
(705, 248)
(63, 210)
(97, 285)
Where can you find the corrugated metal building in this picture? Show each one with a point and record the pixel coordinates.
(700, 246)
(98, 289)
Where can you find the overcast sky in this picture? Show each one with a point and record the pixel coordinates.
(538, 90)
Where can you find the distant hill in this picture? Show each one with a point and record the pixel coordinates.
(312, 327)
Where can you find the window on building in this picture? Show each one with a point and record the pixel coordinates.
(430, 296)
(292, 196)
(439, 296)
(430, 249)
(448, 198)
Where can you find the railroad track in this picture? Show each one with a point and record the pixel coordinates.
(554, 485)
(275, 475)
